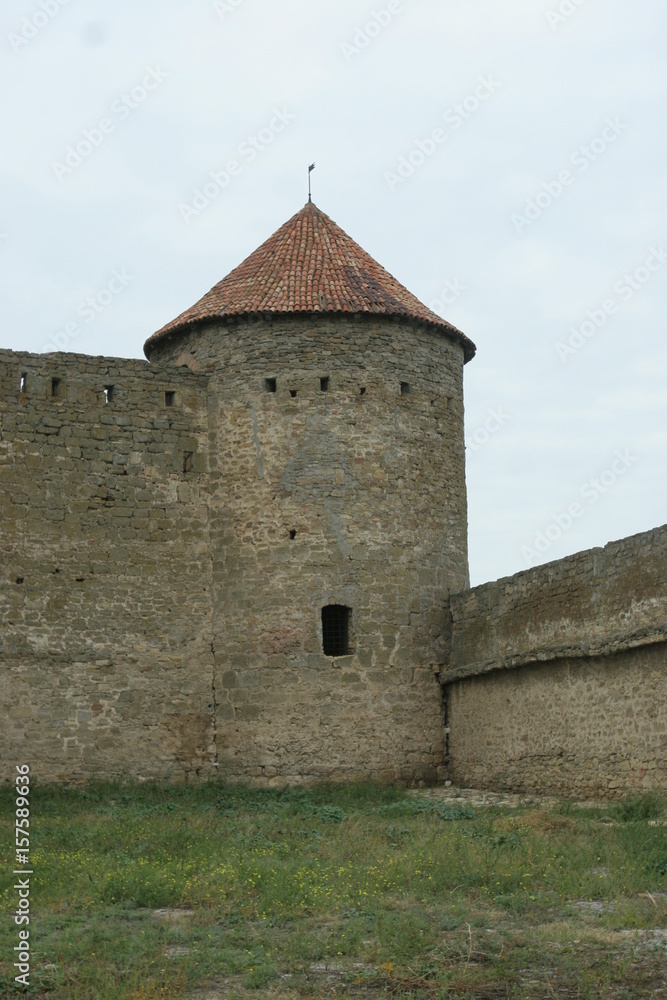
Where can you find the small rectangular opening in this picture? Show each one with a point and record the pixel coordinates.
(169, 398)
(270, 384)
(324, 384)
(23, 381)
(187, 461)
(292, 393)
(55, 387)
(336, 630)
(108, 393)
(405, 389)
(362, 391)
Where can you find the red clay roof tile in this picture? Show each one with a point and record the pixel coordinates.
(310, 265)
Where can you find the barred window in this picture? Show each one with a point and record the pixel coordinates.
(336, 630)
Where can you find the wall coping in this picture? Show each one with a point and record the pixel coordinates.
(594, 603)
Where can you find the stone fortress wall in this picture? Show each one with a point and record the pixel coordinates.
(556, 678)
(178, 536)
(170, 537)
(348, 491)
(105, 570)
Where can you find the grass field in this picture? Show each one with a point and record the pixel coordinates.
(203, 892)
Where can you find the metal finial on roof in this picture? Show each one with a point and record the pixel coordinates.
(310, 170)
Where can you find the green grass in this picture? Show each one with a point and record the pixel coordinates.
(356, 890)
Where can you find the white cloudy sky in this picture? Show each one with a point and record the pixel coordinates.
(224, 69)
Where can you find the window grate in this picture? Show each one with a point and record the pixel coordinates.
(336, 630)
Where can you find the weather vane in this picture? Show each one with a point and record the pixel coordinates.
(310, 170)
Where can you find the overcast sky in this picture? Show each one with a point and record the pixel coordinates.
(504, 159)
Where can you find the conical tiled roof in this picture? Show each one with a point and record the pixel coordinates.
(308, 266)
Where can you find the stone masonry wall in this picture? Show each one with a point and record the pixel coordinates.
(585, 728)
(594, 602)
(171, 532)
(106, 666)
(351, 493)
(557, 677)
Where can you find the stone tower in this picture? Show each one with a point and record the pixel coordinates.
(245, 558)
(337, 508)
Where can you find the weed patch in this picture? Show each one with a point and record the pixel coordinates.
(145, 891)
